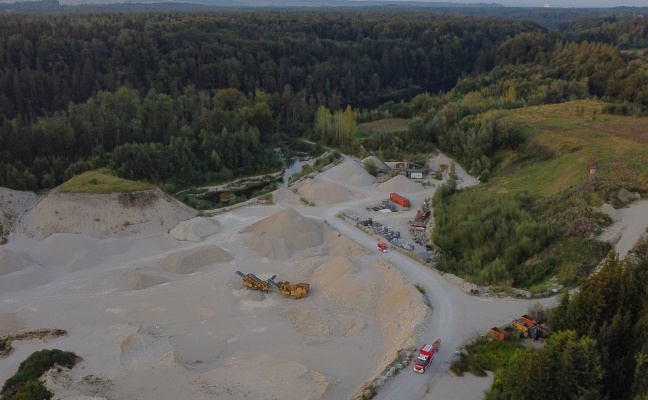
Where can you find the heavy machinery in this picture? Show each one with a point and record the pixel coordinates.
(253, 282)
(526, 330)
(426, 355)
(295, 291)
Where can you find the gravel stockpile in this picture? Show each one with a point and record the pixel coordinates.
(353, 174)
(280, 235)
(190, 261)
(400, 184)
(195, 230)
(324, 191)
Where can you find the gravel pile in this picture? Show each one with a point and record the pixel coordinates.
(353, 174)
(400, 184)
(189, 261)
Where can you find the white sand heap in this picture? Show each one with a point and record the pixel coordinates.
(324, 191)
(283, 233)
(400, 184)
(105, 215)
(140, 280)
(189, 261)
(353, 174)
(195, 229)
(338, 282)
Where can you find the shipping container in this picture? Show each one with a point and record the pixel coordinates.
(400, 200)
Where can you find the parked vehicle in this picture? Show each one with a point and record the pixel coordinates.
(426, 355)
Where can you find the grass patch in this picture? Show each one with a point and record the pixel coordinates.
(102, 182)
(484, 354)
(536, 216)
(389, 125)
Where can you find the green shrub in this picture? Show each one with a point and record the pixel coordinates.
(36, 365)
(32, 390)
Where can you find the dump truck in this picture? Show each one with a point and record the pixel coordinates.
(383, 248)
(251, 281)
(426, 355)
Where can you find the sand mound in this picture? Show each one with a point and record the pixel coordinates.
(195, 229)
(10, 323)
(400, 184)
(105, 215)
(189, 261)
(324, 191)
(322, 322)
(283, 233)
(142, 280)
(352, 173)
(340, 245)
(337, 281)
(148, 349)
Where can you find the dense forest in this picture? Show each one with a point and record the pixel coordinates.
(600, 350)
(88, 82)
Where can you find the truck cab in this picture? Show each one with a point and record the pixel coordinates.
(383, 248)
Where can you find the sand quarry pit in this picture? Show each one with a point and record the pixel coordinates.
(145, 310)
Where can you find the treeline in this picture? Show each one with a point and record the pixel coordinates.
(336, 58)
(601, 348)
(625, 32)
(197, 137)
(192, 98)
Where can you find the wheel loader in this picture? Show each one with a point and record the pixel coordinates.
(253, 282)
(295, 291)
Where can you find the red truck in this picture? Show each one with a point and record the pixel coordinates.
(426, 355)
(383, 247)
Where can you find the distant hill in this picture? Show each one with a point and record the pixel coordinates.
(550, 18)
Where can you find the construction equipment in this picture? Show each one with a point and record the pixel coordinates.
(295, 291)
(253, 282)
(543, 329)
(498, 334)
(526, 330)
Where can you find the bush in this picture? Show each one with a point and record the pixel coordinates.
(36, 365)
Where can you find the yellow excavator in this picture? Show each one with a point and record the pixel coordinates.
(295, 291)
(253, 282)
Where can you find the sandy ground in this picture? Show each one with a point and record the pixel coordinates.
(161, 316)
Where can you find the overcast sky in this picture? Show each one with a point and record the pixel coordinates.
(561, 3)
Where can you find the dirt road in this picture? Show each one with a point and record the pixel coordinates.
(456, 316)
